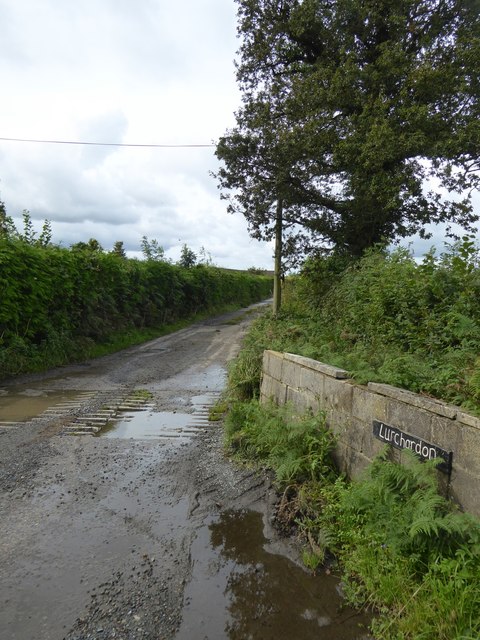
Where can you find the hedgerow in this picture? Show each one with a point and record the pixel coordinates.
(55, 302)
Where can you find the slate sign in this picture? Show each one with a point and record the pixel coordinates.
(401, 440)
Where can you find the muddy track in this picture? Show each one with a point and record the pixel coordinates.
(98, 531)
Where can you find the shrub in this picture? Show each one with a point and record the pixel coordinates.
(54, 298)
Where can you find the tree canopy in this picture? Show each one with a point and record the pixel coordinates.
(361, 116)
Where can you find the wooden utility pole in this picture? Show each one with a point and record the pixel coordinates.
(277, 275)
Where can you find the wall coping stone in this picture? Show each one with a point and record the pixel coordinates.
(409, 397)
(469, 420)
(327, 369)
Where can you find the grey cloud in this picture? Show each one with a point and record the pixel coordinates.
(154, 71)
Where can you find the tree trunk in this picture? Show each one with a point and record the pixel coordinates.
(277, 276)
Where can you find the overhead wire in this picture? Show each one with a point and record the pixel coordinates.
(110, 144)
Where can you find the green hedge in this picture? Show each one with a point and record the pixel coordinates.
(56, 298)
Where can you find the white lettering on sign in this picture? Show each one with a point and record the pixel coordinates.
(402, 440)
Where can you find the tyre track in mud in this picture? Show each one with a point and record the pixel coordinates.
(100, 536)
(95, 532)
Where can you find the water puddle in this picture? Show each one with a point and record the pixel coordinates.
(211, 378)
(144, 425)
(241, 591)
(147, 424)
(21, 406)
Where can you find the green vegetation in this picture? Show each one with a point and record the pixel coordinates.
(384, 318)
(297, 447)
(349, 109)
(60, 305)
(403, 551)
(412, 325)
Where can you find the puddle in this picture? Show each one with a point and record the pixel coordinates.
(203, 401)
(20, 406)
(240, 591)
(146, 424)
(211, 378)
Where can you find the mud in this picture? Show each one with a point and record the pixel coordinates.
(242, 588)
(122, 534)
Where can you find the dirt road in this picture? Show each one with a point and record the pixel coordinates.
(139, 527)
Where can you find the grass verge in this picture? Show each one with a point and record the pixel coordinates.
(402, 550)
(59, 349)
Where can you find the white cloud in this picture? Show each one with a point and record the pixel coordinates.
(153, 72)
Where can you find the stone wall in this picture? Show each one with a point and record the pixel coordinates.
(351, 410)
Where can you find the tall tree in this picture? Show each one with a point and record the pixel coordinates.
(256, 175)
(152, 250)
(253, 171)
(390, 98)
(29, 235)
(362, 102)
(92, 246)
(46, 234)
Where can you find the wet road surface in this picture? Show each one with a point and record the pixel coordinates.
(140, 527)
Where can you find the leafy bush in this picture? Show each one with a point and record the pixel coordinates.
(286, 332)
(384, 319)
(55, 300)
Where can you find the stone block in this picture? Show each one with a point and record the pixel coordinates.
(272, 364)
(291, 373)
(467, 451)
(339, 423)
(337, 394)
(368, 406)
(339, 455)
(272, 389)
(466, 418)
(354, 433)
(370, 446)
(409, 418)
(414, 399)
(464, 490)
(445, 433)
(303, 401)
(349, 461)
(327, 369)
(312, 381)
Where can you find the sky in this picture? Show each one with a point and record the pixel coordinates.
(145, 72)
(118, 71)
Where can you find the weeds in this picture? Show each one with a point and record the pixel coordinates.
(384, 318)
(404, 551)
(296, 447)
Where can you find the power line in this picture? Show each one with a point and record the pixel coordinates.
(111, 144)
